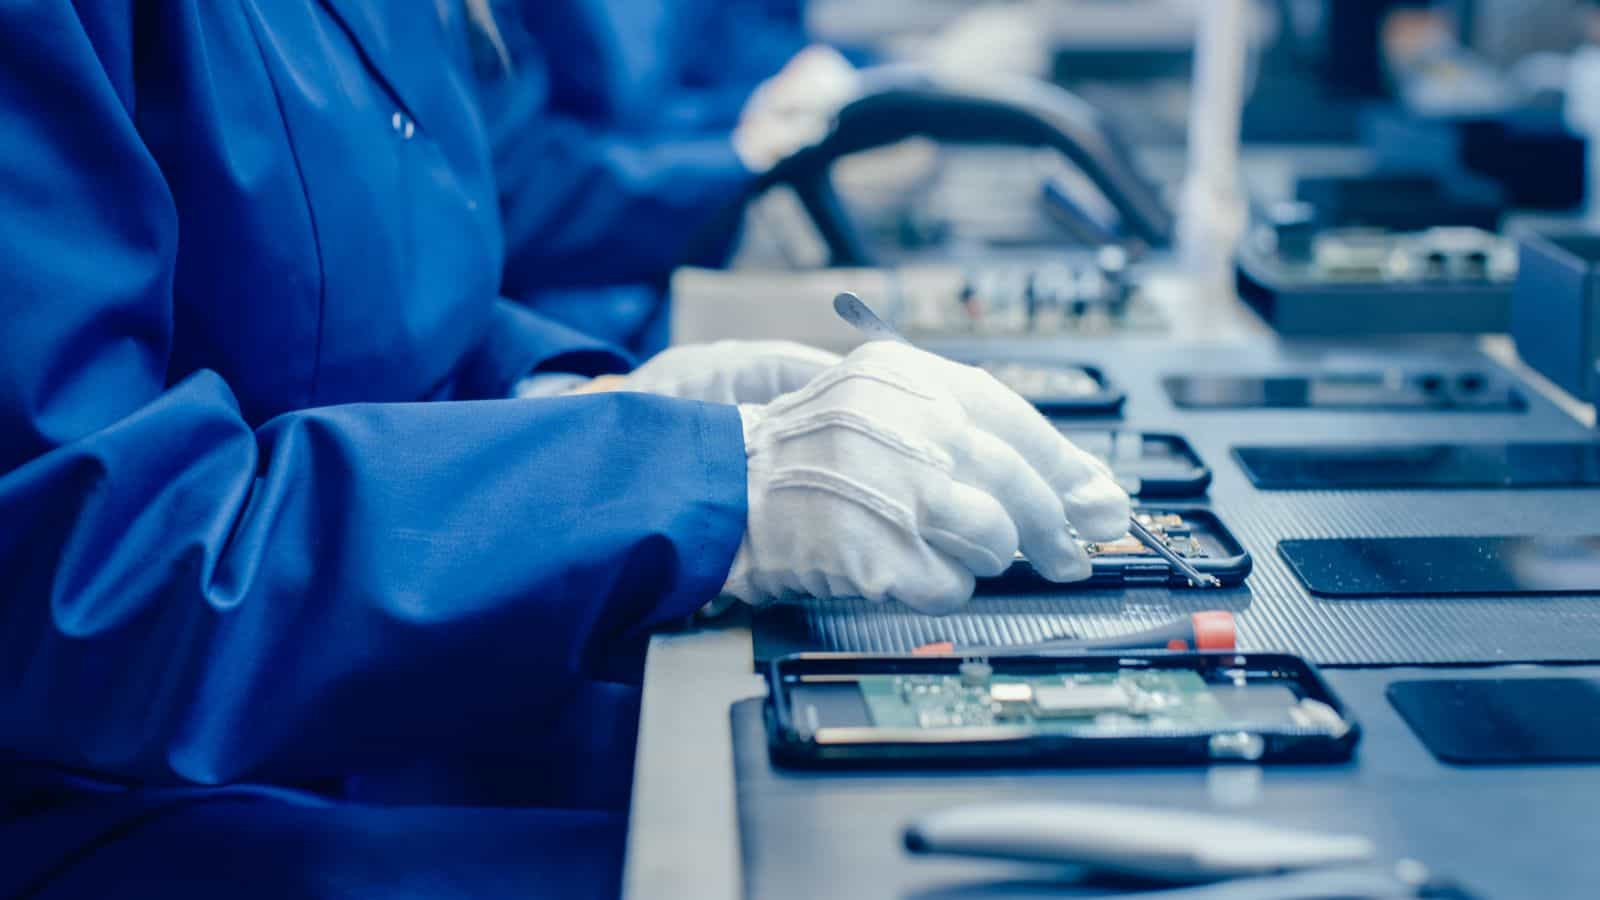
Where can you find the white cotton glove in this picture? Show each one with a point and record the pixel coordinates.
(901, 475)
(794, 108)
(730, 371)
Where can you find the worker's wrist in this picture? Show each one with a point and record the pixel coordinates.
(600, 384)
(548, 384)
(718, 607)
(736, 587)
(556, 384)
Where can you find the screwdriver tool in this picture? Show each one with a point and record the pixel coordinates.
(1211, 630)
(860, 316)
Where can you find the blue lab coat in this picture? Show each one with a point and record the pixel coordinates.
(264, 518)
(662, 65)
(602, 197)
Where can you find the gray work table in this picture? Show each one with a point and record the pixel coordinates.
(1505, 832)
(684, 828)
(683, 834)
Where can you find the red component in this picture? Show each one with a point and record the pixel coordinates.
(1177, 644)
(1213, 630)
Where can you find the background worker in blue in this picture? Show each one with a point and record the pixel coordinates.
(621, 132)
(687, 66)
(278, 550)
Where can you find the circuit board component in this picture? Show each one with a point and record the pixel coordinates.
(1170, 528)
(1124, 703)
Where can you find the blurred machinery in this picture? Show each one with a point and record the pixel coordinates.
(1555, 315)
(996, 205)
(1061, 259)
(1062, 296)
(1351, 281)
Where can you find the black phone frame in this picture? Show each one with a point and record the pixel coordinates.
(1140, 571)
(789, 745)
(1194, 485)
(1108, 402)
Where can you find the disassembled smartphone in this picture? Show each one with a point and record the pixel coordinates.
(1115, 708)
(1195, 534)
(1148, 465)
(1056, 388)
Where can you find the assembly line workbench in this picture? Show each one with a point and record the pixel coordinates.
(684, 832)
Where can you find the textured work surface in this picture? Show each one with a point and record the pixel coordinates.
(1507, 832)
(1274, 610)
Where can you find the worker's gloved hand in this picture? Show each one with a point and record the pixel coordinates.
(729, 371)
(991, 38)
(901, 475)
(794, 108)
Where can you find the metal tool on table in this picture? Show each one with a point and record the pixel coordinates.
(1203, 855)
(851, 309)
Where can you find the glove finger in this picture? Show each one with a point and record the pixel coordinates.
(684, 371)
(785, 350)
(938, 586)
(997, 469)
(1098, 509)
(1094, 503)
(892, 565)
(783, 366)
(972, 528)
(1004, 414)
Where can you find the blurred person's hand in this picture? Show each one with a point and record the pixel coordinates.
(794, 108)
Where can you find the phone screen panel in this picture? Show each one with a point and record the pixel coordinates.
(1391, 466)
(1442, 566)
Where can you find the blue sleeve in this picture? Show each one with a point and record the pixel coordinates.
(520, 342)
(634, 316)
(586, 205)
(190, 598)
(705, 107)
(742, 43)
(581, 208)
(606, 61)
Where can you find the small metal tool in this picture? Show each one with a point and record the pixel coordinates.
(1161, 549)
(851, 309)
(1170, 845)
(863, 319)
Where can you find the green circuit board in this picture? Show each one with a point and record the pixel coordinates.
(1089, 705)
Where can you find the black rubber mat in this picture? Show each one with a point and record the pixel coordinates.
(1274, 611)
